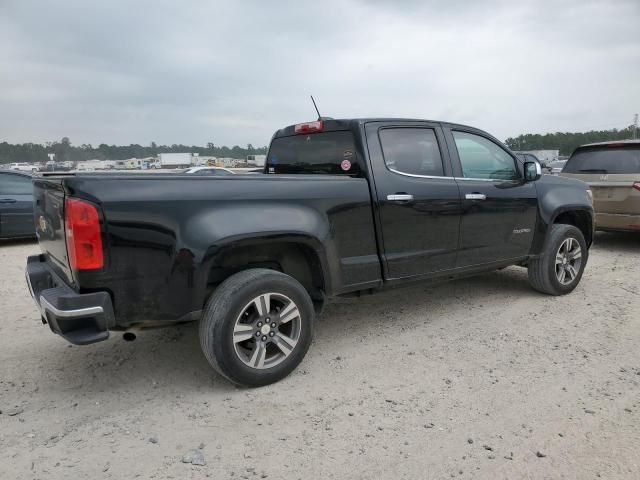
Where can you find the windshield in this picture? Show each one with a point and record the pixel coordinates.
(320, 153)
(604, 160)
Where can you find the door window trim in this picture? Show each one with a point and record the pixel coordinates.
(502, 180)
(418, 176)
(414, 175)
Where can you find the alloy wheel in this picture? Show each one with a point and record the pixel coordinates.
(267, 330)
(568, 261)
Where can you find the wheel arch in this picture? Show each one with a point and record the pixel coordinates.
(579, 216)
(582, 219)
(299, 256)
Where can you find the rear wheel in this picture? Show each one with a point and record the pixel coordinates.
(257, 327)
(559, 269)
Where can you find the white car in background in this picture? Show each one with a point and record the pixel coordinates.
(208, 171)
(556, 166)
(23, 167)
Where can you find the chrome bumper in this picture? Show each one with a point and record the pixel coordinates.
(79, 318)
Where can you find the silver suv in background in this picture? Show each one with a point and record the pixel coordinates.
(612, 171)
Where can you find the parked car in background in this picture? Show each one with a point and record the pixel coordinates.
(556, 166)
(209, 171)
(23, 167)
(16, 205)
(612, 170)
(51, 166)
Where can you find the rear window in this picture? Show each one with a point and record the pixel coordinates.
(330, 153)
(15, 184)
(604, 160)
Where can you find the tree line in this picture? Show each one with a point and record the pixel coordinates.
(566, 142)
(65, 151)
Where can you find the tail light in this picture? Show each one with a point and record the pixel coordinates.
(309, 127)
(636, 185)
(84, 240)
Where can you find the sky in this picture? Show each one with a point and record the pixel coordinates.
(233, 72)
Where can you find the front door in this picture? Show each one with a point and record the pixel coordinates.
(418, 199)
(499, 209)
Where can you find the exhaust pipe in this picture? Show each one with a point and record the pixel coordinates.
(128, 336)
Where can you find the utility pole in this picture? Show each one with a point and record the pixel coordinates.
(635, 126)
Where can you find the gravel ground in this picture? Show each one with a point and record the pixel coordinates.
(480, 378)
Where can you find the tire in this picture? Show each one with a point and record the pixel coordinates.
(236, 312)
(545, 274)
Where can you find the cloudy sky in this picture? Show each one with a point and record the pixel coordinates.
(232, 72)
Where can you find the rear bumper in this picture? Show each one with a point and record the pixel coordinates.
(78, 318)
(613, 221)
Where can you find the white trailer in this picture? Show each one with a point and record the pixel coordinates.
(257, 160)
(545, 156)
(175, 160)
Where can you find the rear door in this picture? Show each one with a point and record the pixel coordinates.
(499, 209)
(418, 199)
(16, 205)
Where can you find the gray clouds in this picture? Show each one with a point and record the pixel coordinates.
(233, 72)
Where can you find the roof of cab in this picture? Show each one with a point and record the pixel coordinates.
(334, 124)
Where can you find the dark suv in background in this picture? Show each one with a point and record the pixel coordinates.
(16, 205)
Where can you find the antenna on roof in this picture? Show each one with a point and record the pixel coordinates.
(316, 107)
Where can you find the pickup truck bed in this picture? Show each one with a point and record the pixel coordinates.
(166, 244)
(343, 206)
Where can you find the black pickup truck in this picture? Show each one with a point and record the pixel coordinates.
(342, 206)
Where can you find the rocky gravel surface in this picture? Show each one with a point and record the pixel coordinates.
(479, 378)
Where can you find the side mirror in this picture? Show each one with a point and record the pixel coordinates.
(532, 171)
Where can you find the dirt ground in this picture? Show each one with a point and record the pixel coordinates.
(481, 378)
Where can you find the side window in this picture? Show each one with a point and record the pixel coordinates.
(481, 158)
(15, 185)
(412, 150)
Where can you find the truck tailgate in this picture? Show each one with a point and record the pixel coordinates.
(48, 209)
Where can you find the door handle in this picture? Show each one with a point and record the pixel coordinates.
(475, 196)
(8, 200)
(399, 197)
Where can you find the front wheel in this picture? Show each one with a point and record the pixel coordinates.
(257, 327)
(559, 269)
